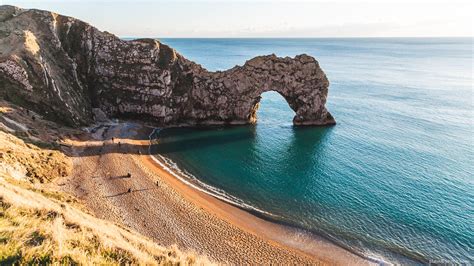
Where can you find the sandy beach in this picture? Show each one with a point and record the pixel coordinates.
(157, 204)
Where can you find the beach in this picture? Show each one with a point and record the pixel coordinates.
(170, 212)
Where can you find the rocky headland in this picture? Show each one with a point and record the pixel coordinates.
(67, 70)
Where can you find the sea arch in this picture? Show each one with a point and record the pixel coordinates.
(236, 93)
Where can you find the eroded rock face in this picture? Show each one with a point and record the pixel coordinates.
(63, 67)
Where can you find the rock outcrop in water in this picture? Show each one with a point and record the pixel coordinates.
(63, 68)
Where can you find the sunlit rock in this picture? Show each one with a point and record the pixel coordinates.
(63, 68)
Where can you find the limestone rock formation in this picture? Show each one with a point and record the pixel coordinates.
(63, 68)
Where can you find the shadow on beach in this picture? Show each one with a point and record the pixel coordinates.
(125, 147)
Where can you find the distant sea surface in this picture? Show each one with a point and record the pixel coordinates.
(394, 179)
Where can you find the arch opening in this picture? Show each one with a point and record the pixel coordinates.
(272, 108)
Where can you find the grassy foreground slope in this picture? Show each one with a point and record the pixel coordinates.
(36, 228)
(39, 225)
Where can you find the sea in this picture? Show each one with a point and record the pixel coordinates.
(393, 180)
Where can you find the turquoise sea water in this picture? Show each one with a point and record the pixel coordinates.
(394, 179)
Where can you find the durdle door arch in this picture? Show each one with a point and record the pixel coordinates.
(299, 80)
(142, 78)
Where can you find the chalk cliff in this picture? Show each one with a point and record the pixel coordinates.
(62, 68)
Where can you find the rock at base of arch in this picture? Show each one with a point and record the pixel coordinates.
(328, 121)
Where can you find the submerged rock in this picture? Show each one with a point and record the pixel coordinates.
(62, 68)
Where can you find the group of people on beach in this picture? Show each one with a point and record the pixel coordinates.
(129, 175)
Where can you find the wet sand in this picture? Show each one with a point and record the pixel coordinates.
(168, 211)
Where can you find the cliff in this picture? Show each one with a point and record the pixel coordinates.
(63, 68)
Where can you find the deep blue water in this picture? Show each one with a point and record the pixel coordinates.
(394, 179)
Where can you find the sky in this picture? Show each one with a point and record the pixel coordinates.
(162, 19)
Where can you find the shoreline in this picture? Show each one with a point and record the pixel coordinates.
(155, 203)
(298, 240)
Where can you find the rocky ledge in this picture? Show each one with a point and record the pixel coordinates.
(64, 68)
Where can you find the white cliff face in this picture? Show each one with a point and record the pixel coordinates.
(145, 79)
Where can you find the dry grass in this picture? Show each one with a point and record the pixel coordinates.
(44, 226)
(5, 109)
(37, 229)
(29, 147)
(27, 161)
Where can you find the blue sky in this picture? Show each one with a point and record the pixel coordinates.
(268, 18)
